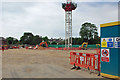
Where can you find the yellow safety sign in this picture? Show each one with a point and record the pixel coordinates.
(103, 42)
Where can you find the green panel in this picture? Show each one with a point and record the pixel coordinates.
(58, 46)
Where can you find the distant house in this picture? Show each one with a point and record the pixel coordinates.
(55, 40)
(3, 41)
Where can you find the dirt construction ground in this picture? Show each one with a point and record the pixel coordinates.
(22, 63)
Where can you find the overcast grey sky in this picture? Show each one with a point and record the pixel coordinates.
(46, 18)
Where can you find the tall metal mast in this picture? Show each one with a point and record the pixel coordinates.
(68, 7)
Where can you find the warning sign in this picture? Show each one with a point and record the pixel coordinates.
(117, 42)
(105, 55)
(103, 42)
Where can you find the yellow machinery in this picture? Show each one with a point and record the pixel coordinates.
(97, 45)
(84, 45)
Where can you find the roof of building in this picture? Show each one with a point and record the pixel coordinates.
(2, 38)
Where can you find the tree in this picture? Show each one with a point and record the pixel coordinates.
(97, 40)
(88, 31)
(45, 39)
(77, 41)
(36, 40)
(54, 42)
(11, 40)
(27, 38)
(15, 41)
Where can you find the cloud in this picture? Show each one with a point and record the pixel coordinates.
(41, 18)
(47, 18)
(59, 0)
(96, 13)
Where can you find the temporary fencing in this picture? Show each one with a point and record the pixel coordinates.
(50, 48)
(15, 47)
(73, 48)
(85, 60)
(5, 48)
(76, 46)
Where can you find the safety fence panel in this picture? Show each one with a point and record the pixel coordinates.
(15, 47)
(85, 60)
(5, 48)
(50, 48)
(73, 48)
(72, 58)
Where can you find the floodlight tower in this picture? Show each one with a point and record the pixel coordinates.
(68, 7)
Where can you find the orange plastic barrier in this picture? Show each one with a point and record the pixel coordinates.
(5, 48)
(26, 47)
(15, 47)
(68, 48)
(85, 60)
(50, 48)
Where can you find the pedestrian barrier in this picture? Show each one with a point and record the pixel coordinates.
(73, 48)
(50, 48)
(59, 48)
(30, 47)
(85, 60)
(5, 48)
(26, 47)
(15, 47)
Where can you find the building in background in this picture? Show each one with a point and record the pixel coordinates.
(55, 41)
(3, 43)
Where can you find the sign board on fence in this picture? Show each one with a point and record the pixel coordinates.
(81, 58)
(117, 42)
(110, 42)
(103, 42)
(77, 53)
(105, 55)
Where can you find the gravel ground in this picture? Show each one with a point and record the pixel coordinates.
(22, 63)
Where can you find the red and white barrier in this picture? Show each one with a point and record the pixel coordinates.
(85, 60)
(15, 47)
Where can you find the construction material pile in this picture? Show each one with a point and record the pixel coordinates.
(40, 48)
